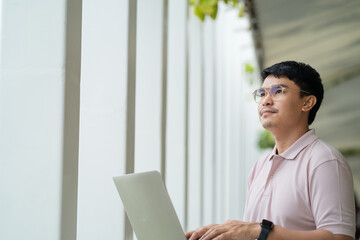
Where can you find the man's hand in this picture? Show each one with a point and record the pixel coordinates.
(230, 230)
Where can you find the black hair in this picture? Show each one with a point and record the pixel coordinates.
(306, 77)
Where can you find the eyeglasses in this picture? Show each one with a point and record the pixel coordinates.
(276, 92)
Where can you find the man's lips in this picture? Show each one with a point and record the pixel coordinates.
(268, 110)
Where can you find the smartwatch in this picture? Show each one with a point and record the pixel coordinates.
(266, 227)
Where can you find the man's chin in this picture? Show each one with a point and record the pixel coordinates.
(267, 125)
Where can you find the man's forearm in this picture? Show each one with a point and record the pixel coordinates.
(234, 229)
(280, 233)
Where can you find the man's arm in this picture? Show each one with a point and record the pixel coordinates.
(238, 230)
(280, 233)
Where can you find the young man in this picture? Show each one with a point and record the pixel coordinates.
(303, 189)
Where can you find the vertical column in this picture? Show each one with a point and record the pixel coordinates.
(214, 129)
(195, 124)
(231, 106)
(187, 102)
(164, 87)
(202, 121)
(131, 86)
(227, 114)
(209, 178)
(176, 106)
(131, 96)
(149, 86)
(220, 117)
(71, 120)
(107, 116)
(236, 149)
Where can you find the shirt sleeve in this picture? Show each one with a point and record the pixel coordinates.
(332, 197)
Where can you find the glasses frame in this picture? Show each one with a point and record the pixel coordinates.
(276, 87)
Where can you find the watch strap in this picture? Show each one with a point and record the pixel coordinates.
(266, 227)
(264, 233)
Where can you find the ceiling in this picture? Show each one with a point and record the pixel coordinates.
(326, 35)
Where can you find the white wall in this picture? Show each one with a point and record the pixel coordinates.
(40, 60)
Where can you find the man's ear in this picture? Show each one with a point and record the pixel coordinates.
(309, 103)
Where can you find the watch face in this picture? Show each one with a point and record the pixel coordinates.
(266, 223)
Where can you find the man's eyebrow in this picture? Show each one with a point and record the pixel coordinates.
(277, 85)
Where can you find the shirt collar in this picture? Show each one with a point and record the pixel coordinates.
(296, 147)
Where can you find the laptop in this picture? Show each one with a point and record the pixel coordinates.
(148, 206)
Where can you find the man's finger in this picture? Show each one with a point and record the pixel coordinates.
(220, 237)
(213, 232)
(196, 234)
(188, 234)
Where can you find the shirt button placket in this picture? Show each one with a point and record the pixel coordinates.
(269, 183)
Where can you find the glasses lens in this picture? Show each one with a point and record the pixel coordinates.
(259, 94)
(276, 92)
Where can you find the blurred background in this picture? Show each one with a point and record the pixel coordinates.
(94, 89)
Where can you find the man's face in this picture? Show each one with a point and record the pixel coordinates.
(284, 113)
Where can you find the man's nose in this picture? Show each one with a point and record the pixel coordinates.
(267, 100)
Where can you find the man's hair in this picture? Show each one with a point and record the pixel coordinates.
(307, 78)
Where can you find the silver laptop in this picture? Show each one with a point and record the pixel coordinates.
(148, 206)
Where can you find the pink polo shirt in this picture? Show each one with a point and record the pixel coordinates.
(308, 187)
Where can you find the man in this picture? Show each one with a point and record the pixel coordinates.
(303, 189)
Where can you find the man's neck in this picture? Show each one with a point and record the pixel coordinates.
(285, 139)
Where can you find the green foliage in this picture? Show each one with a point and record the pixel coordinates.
(350, 152)
(266, 140)
(203, 8)
(249, 68)
(249, 71)
(241, 12)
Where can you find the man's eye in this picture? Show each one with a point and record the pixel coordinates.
(278, 91)
(262, 94)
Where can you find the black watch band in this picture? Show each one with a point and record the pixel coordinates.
(266, 227)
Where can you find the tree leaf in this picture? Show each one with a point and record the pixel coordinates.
(241, 11)
(199, 13)
(214, 14)
(210, 2)
(249, 68)
(208, 6)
